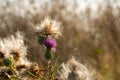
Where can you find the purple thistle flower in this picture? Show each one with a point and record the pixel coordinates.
(50, 43)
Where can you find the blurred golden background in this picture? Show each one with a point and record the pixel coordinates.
(91, 34)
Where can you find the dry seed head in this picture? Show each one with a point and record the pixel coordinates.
(23, 61)
(4, 47)
(16, 55)
(14, 47)
(13, 43)
(49, 27)
(76, 69)
(20, 67)
(2, 55)
(35, 68)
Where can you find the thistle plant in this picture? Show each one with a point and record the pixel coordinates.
(47, 32)
(13, 55)
(14, 65)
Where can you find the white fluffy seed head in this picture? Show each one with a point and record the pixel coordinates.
(49, 27)
(13, 43)
(73, 69)
(13, 47)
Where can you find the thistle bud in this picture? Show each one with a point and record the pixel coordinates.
(48, 54)
(7, 61)
(40, 39)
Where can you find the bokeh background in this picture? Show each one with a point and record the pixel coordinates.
(91, 30)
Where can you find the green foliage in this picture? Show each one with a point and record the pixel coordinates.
(100, 51)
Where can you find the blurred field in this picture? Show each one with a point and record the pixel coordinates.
(94, 38)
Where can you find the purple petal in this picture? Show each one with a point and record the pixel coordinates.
(50, 43)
